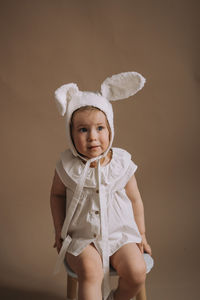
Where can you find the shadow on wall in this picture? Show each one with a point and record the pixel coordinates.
(8, 293)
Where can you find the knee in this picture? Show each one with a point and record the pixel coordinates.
(134, 275)
(137, 276)
(90, 271)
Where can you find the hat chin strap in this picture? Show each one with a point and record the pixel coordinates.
(98, 158)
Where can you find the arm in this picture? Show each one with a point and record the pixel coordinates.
(58, 207)
(133, 193)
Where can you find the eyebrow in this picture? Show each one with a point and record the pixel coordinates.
(83, 125)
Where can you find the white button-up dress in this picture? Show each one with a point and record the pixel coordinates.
(101, 212)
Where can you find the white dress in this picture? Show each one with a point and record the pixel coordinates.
(103, 213)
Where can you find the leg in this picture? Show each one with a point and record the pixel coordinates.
(71, 287)
(129, 263)
(142, 294)
(88, 267)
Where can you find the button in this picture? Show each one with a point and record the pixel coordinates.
(96, 212)
(97, 191)
(94, 235)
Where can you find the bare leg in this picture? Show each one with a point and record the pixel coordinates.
(130, 266)
(88, 267)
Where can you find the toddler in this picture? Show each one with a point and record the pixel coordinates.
(96, 206)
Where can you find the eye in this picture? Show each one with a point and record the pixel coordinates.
(83, 129)
(100, 128)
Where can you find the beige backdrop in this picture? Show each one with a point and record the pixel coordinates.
(46, 43)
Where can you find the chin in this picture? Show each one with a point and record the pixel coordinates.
(93, 155)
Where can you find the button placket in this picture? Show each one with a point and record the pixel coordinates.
(96, 211)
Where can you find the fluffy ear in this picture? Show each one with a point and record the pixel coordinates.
(64, 94)
(122, 85)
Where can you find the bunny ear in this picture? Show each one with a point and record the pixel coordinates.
(64, 94)
(122, 85)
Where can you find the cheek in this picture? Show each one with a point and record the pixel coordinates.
(80, 140)
(76, 140)
(107, 138)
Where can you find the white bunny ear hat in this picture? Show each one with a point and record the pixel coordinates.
(120, 86)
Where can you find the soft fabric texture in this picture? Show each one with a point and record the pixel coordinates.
(111, 295)
(122, 85)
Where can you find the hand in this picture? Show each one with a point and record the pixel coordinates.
(58, 243)
(144, 246)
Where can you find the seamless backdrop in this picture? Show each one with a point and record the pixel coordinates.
(47, 43)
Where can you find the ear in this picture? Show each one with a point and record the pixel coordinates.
(122, 85)
(63, 94)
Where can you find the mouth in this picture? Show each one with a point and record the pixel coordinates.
(93, 147)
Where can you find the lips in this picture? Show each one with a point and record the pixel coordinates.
(93, 147)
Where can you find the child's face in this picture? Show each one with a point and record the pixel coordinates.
(90, 132)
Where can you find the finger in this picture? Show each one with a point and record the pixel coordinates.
(140, 247)
(148, 249)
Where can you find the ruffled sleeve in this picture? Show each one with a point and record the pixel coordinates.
(131, 170)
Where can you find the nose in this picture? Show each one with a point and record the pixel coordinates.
(92, 135)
